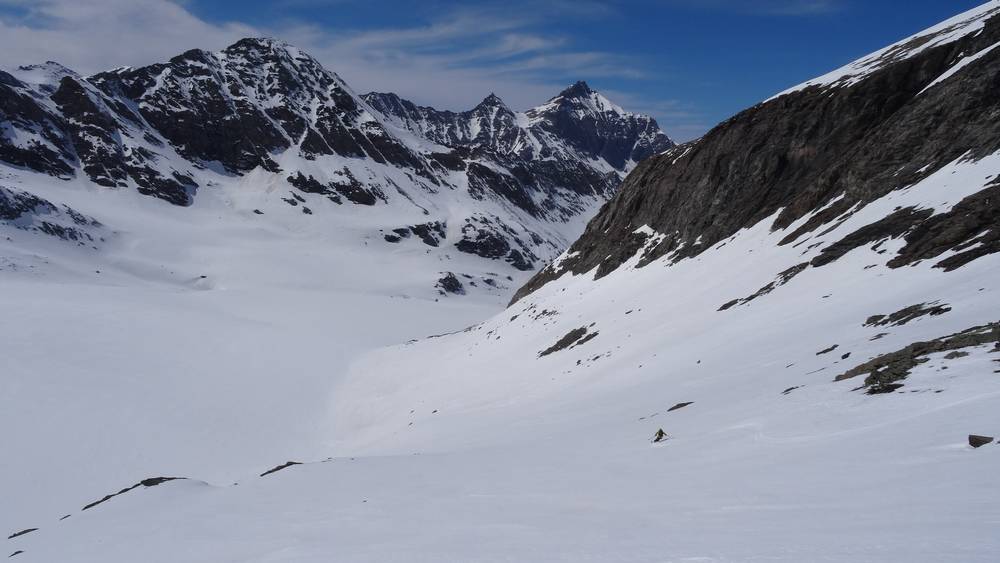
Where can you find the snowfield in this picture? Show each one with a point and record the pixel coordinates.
(470, 446)
(196, 340)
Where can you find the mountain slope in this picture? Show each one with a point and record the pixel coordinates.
(831, 144)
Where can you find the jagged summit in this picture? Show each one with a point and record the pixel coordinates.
(48, 73)
(577, 90)
(258, 42)
(579, 122)
(271, 49)
(581, 99)
(492, 101)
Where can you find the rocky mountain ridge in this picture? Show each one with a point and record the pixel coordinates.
(504, 185)
(823, 151)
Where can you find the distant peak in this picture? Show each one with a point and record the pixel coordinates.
(260, 40)
(49, 72)
(383, 95)
(492, 101)
(47, 66)
(579, 89)
(262, 43)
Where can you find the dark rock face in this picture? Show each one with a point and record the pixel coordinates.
(21, 533)
(782, 279)
(450, 284)
(251, 100)
(537, 161)
(430, 233)
(892, 226)
(595, 127)
(28, 212)
(973, 227)
(680, 406)
(278, 468)
(93, 132)
(490, 125)
(346, 186)
(149, 482)
(907, 314)
(493, 239)
(979, 441)
(800, 151)
(827, 350)
(578, 117)
(50, 152)
(886, 371)
(73, 124)
(572, 339)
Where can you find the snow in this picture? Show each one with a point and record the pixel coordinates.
(468, 446)
(44, 74)
(161, 369)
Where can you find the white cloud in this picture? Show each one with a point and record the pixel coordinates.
(94, 36)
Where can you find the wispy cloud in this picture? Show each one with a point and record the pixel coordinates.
(508, 48)
(766, 7)
(93, 36)
(804, 7)
(683, 121)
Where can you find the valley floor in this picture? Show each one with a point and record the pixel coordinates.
(197, 341)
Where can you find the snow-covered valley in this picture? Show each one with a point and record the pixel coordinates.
(472, 447)
(197, 341)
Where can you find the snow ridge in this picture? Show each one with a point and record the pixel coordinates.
(948, 31)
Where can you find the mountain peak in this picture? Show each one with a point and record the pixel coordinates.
(491, 101)
(262, 45)
(581, 99)
(257, 43)
(49, 72)
(579, 89)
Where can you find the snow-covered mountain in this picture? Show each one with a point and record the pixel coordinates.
(491, 182)
(773, 343)
(204, 244)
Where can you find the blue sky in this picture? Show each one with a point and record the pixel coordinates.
(690, 63)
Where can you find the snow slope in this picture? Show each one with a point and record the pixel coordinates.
(472, 447)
